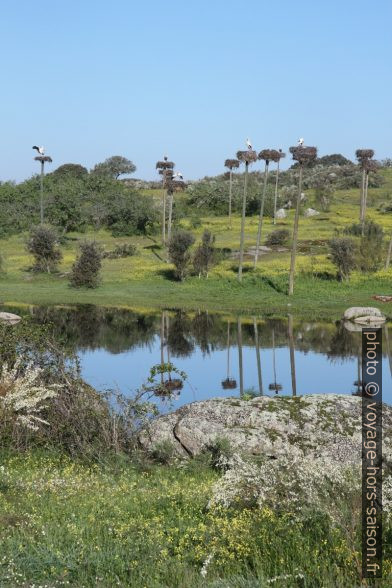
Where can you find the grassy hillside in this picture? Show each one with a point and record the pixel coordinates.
(146, 278)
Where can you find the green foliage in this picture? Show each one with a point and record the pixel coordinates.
(205, 255)
(343, 256)
(278, 237)
(120, 251)
(130, 214)
(86, 269)
(43, 245)
(179, 253)
(323, 193)
(219, 453)
(114, 167)
(70, 170)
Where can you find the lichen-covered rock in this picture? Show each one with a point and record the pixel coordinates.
(318, 424)
(9, 318)
(362, 311)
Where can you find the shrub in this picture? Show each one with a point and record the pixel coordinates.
(43, 245)
(179, 253)
(121, 250)
(130, 214)
(278, 237)
(343, 256)
(370, 253)
(324, 194)
(205, 255)
(87, 267)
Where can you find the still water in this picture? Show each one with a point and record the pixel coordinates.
(221, 355)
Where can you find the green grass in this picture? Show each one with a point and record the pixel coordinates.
(145, 279)
(65, 523)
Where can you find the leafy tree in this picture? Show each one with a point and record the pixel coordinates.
(70, 170)
(43, 245)
(114, 167)
(205, 254)
(179, 253)
(343, 256)
(278, 237)
(87, 267)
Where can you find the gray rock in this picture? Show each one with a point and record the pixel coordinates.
(317, 424)
(9, 318)
(311, 212)
(281, 213)
(362, 311)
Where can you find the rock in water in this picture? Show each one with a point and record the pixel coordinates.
(366, 314)
(317, 424)
(9, 318)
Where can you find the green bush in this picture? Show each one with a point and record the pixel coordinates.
(343, 256)
(179, 253)
(278, 237)
(87, 267)
(205, 254)
(121, 250)
(42, 243)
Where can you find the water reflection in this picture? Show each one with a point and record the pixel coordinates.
(295, 357)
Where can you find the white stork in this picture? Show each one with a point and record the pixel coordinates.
(40, 150)
(249, 144)
(177, 175)
(300, 142)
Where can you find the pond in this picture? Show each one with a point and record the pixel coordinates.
(221, 355)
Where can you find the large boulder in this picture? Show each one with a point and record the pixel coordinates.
(318, 424)
(9, 318)
(365, 315)
(311, 212)
(281, 213)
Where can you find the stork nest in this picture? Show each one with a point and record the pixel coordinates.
(43, 158)
(168, 388)
(164, 165)
(232, 163)
(166, 172)
(303, 154)
(229, 384)
(175, 185)
(281, 154)
(248, 156)
(362, 154)
(269, 155)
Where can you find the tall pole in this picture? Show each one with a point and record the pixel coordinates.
(230, 194)
(295, 234)
(362, 204)
(228, 349)
(42, 192)
(388, 260)
(169, 222)
(163, 214)
(259, 229)
(242, 239)
(276, 191)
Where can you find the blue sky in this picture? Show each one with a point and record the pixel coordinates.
(89, 79)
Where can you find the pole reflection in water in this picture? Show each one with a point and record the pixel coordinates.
(274, 385)
(240, 362)
(229, 383)
(292, 356)
(388, 347)
(258, 356)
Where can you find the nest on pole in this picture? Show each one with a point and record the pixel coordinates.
(164, 164)
(175, 185)
(232, 163)
(248, 156)
(362, 154)
(229, 384)
(43, 158)
(303, 155)
(269, 155)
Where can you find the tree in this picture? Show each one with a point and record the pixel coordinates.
(304, 156)
(70, 170)
(87, 267)
(114, 167)
(179, 253)
(343, 256)
(324, 192)
(205, 254)
(43, 245)
(246, 157)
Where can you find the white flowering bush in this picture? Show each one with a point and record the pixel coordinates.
(23, 395)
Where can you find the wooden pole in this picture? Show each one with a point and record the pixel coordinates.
(388, 259)
(42, 192)
(258, 357)
(295, 234)
(230, 194)
(292, 357)
(276, 191)
(261, 214)
(240, 361)
(242, 238)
